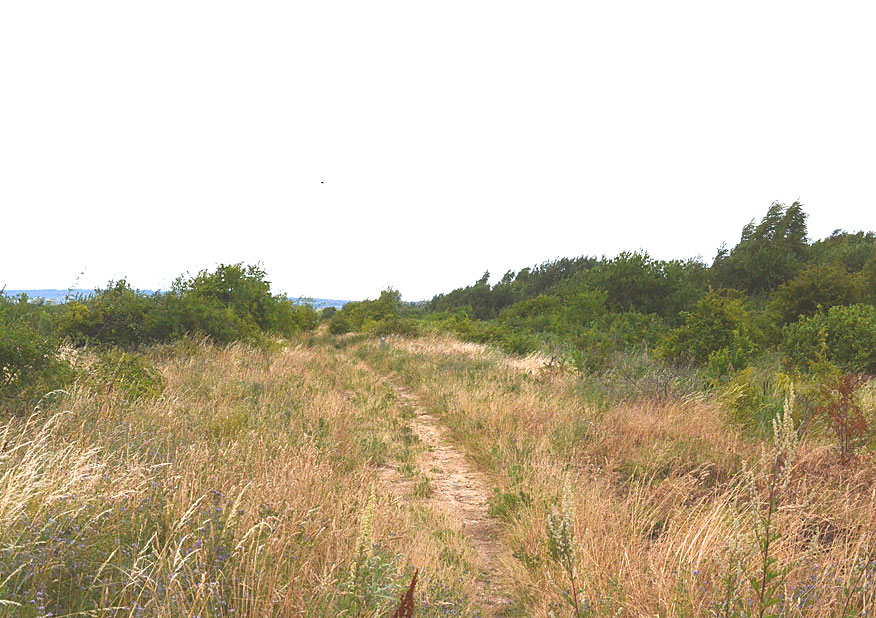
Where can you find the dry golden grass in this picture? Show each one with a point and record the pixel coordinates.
(661, 506)
(243, 486)
(447, 345)
(238, 492)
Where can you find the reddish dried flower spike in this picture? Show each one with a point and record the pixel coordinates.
(406, 607)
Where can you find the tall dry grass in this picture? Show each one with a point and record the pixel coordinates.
(239, 491)
(666, 524)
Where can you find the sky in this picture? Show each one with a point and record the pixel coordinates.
(351, 146)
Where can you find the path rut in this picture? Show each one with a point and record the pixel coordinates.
(463, 493)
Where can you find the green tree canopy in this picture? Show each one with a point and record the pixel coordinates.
(768, 254)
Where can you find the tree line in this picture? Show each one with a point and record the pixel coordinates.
(776, 300)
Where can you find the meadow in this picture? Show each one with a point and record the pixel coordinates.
(672, 509)
(253, 481)
(236, 488)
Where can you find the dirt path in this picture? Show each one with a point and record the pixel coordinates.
(461, 492)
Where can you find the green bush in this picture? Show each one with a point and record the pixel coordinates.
(718, 328)
(816, 286)
(358, 315)
(845, 335)
(592, 351)
(339, 324)
(868, 282)
(30, 365)
(132, 376)
(178, 314)
(633, 329)
(392, 326)
(515, 341)
(542, 314)
(233, 303)
(636, 282)
(115, 316)
(247, 294)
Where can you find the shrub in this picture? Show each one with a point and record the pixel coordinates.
(756, 395)
(178, 314)
(338, 324)
(132, 376)
(845, 335)
(115, 316)
(868, 281)
(358, 315)
(538, 314)
(233, 303)
(30, 365)
(814, 287)
(391, 326)
(842, 407)
(719, 329)
(515, 341)
(636, 282)
(592, 351)
(632, 329)
(247, 294)
(290, 317)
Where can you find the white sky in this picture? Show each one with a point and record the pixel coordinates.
(354, 145)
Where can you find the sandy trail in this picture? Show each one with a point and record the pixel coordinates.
(462, 493)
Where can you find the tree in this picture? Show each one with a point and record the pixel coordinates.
(768, 254)
(845, 250)
(868, 282)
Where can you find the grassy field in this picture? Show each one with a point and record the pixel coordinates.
(239, 491)
(288, 482)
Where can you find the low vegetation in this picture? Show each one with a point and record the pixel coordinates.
(652, 505)
(239, 482)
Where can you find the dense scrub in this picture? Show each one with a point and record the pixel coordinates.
(233, 303)
(774, 293)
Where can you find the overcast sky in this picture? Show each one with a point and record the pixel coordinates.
(349, 146)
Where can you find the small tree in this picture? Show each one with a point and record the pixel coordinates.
(842, 407)
(30, 365)
(768, 254)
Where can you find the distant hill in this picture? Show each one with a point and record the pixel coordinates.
(58, 296)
